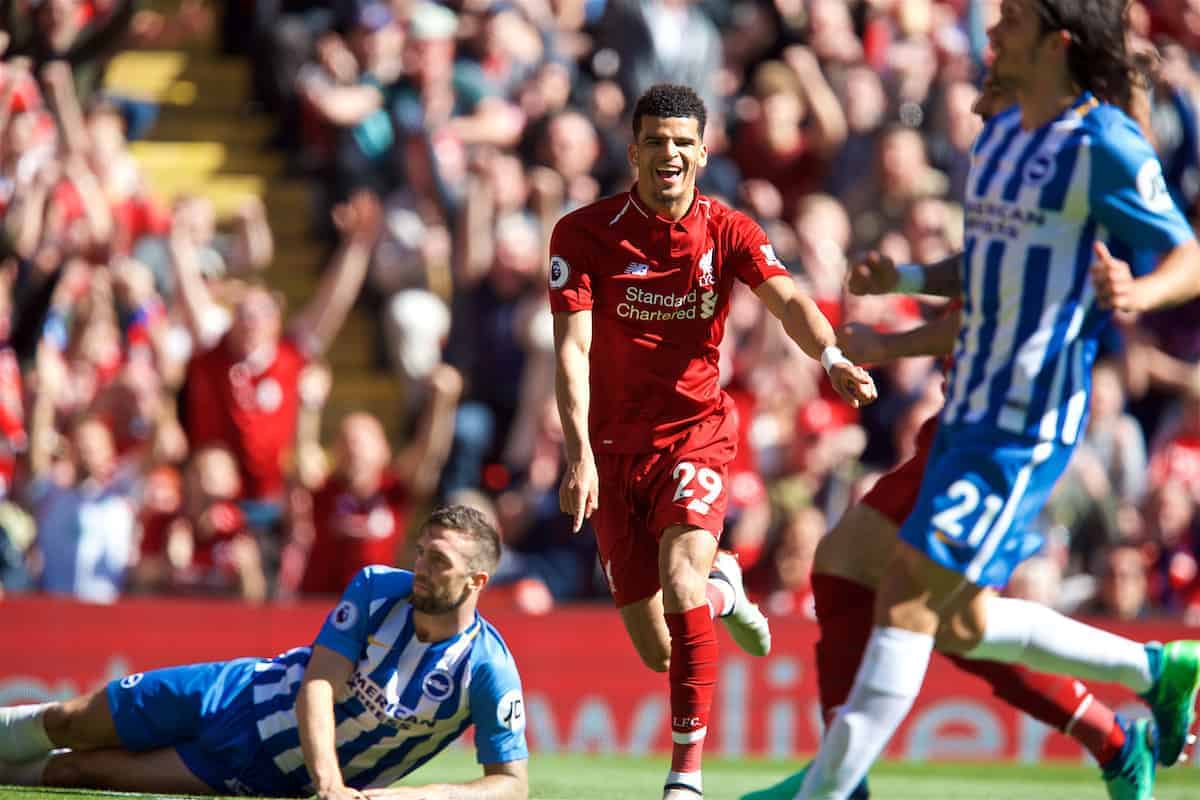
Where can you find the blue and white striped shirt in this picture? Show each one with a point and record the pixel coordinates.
(406, 700)
(1036, 202)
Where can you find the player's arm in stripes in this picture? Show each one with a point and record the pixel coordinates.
(865, 345)
(809, 329)
(878, 274)
(327, 671)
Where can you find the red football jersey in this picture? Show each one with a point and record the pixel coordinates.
(253, 414)
(351, 533)
(659, 294)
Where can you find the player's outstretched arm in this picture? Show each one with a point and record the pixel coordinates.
(878, 274)
(863, 344)
(1176, 280)
(327, 671)
(579, 494)
(506, 781)
(809, 328)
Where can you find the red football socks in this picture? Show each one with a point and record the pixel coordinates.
(693, 675)
(1061, 702)
(845, 616)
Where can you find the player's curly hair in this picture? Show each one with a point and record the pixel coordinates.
(669, 100)
(1097, 58)
(475, 526)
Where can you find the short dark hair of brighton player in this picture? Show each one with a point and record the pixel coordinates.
(640, 286)
(472, 524)
(666, 100)
(325, 718)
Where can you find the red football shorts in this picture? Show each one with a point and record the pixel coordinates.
(895, 494)
(644, 494)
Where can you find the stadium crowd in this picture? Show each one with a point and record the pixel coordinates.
(161, 419)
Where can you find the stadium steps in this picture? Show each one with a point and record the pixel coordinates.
(206, 142)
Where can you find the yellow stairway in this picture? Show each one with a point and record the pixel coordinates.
(205, 142)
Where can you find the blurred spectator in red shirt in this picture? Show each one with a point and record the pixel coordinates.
(358, 514)
(796, 128)
(1176, 452)
(242, 384)
(202, 546)
(1171, 522)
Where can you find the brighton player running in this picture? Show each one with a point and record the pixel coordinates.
(640, 287)
(850, 561)
(849, 565)
(401, 668)
(1051, 180)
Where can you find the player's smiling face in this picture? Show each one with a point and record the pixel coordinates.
(442, 574)
(1016, 38)
(668, 153)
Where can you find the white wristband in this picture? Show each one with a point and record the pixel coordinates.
(832, 356)
(911, 279)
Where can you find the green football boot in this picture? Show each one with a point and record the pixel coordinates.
(1172, 698)
(789, 787)
(1130, 775)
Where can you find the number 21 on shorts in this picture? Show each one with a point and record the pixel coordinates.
(686, 475)
(966, 499)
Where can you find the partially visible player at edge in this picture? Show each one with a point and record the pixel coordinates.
(640, 286)
(402, 667)
(1053, 180)
(850, 561)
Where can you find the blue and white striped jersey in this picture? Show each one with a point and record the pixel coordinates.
(1036, 202)
(407, 699)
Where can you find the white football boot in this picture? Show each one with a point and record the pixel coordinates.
(746, 623)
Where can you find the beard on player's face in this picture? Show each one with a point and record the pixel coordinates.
(428, 599)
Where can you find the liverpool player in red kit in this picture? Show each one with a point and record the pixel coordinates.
(640, 286)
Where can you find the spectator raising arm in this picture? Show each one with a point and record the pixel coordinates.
(331, 92)
(419, 465)
(199, 309)
(253, 244)
(97, 215)
(359, 222)
(310, 464)
(60, 92)
(25, 221)
(828, 128)
(43, 439)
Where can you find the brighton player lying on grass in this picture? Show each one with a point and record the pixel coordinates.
(401, 668)
(1052, 180)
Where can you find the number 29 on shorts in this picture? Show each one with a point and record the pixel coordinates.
(687, 475)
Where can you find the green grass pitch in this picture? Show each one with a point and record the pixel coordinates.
(555, 777)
